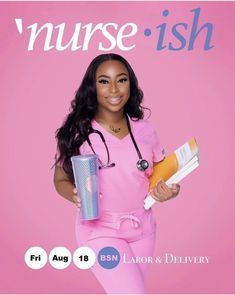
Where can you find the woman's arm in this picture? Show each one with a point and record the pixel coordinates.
(64, 187)
(161, 192)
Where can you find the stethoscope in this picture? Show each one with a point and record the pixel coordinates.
(142, 164)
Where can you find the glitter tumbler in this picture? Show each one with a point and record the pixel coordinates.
(85, 170)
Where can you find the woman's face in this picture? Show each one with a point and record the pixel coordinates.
(112, 86)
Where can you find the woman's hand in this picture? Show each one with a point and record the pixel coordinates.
(76, 199)
(161, 192)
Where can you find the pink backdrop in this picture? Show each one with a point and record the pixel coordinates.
(191, 93)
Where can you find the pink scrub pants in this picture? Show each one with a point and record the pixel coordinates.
(133, 235)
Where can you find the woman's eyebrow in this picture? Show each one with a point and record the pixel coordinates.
(103, 76)
(108, 77)
(122, 74)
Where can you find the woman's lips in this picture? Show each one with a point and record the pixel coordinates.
(114, 100)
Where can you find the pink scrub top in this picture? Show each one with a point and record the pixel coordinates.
(124, 187)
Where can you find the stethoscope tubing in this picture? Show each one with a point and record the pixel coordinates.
(142, 165)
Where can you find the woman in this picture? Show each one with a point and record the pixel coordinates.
(109, 100)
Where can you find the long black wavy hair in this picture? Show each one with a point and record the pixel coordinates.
(77, 124)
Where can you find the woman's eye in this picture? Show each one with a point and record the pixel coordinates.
(122, 80)
(103, 81)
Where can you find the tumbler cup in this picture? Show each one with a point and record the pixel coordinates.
(85, 170)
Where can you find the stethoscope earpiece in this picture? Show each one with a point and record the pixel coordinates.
(106, 166)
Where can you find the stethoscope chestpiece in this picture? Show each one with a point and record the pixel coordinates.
(142, 165)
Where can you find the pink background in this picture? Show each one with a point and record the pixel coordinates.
(190, 94)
